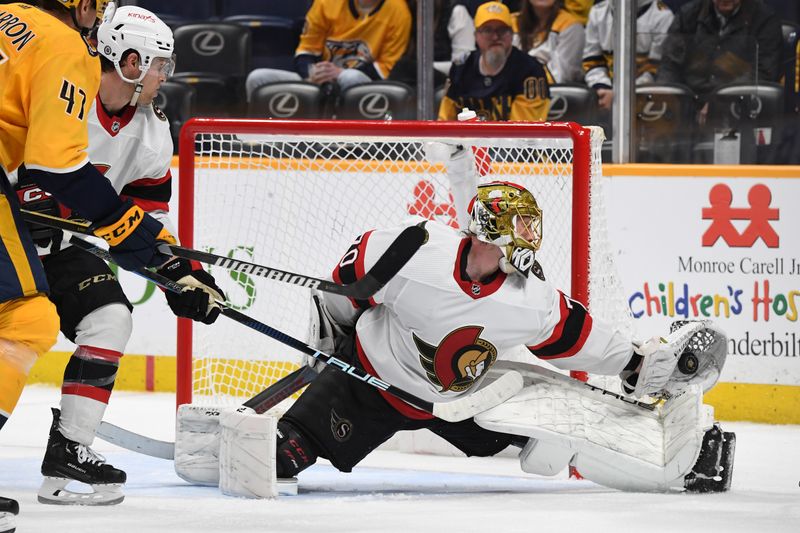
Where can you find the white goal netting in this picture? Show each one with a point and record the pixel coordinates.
(294, 197)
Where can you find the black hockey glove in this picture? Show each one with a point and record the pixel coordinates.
(197, 301)
(132, 236)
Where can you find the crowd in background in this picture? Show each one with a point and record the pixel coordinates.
(521, 60)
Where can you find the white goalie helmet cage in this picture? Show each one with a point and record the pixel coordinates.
(134, 28)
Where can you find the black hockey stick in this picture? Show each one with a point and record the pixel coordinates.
(260, 403)
(397, 255)
(453, 411)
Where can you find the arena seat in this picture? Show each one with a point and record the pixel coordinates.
(293, 10)
(377, 100)
(664, 114)
(176, 14)
(571, 102)
(752, 110)
(286, 99)
(176, 100)
(215, 59)
(274, 39)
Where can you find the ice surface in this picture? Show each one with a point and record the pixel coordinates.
(392, 491)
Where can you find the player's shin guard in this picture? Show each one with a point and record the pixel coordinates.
(88, 381)
(294, 451)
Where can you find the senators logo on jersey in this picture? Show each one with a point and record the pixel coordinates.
(460, 359)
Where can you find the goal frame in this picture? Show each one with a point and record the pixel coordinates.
(581, 176)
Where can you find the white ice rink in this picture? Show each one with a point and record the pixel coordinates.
(392, 491)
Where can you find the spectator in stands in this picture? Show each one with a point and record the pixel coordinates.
(453, 38)
(714, 42)
(652, 22)
(548, 32)
(579, 8)
(497, 81)
(344, 43)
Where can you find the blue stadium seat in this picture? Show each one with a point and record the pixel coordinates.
(751, 111)
(377, 100)
(176, 100)
(274, 39)
(286, 99)
(664, 118)
(215, 59)
(175, 14)
(290, 9)
(572, 102)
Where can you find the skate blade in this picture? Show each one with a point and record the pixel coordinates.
(7, 521)
(287, 486)
(53, 492)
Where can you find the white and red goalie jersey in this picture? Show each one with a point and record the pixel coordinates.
(434, 333)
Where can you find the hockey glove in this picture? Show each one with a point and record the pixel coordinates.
(132, 237)
(197, 301)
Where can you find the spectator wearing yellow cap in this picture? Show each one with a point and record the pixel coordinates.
(497, 81)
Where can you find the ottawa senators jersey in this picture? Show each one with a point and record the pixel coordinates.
(434, 333)
(48, 80)
(336, 31)
(518, 92)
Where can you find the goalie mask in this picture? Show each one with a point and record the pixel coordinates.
(506, 214)
(133, 28)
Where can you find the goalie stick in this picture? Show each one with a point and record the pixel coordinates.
(260, 403)
(453, 411)
(397, 255)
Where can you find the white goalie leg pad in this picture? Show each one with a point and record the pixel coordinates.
(610, 440)
(197, 436)
(247, 454)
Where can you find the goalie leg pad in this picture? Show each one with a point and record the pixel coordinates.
(544, 457)
(197, 435)
(612, 441)
(247, 454)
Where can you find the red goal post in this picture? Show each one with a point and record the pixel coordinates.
(246, 186)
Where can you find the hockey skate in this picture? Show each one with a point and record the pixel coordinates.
(713, 470)
(9, 509)
(65, 461)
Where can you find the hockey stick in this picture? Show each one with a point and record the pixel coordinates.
(260, 403)
(397, 255)
(453, 411)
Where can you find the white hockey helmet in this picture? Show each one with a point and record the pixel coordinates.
(507, 215)
(134, 28)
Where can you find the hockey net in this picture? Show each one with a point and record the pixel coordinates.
(294, 194)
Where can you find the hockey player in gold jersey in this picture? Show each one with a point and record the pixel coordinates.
(49, 75)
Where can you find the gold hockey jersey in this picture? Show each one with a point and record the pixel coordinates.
(336, 31)
(48, 80)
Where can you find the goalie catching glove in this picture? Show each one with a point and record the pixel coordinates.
(200, 292)
(693, 353)
(132, 236)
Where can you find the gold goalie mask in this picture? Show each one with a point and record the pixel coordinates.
(506, 214)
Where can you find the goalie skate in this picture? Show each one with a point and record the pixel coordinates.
(9, 509)
(66, 461)
(713, 471)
